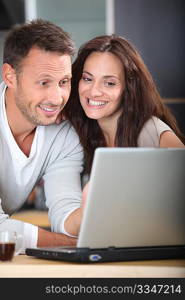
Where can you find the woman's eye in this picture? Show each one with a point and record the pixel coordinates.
(87, 79)
(110, 83)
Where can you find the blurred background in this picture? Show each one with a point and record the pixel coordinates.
(155, 27)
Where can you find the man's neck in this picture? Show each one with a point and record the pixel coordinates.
(26, 142)
(22, 130)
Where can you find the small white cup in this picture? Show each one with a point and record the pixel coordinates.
(11, 244)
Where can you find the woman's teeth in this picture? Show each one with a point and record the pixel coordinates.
(96, 103)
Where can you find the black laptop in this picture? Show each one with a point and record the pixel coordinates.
(135, 208)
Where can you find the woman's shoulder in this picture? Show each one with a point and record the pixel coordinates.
(151, 132)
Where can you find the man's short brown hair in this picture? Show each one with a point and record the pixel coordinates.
(40, 33)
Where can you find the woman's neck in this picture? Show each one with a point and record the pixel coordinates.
(109, 128)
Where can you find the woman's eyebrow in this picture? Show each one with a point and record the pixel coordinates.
(105, 76)
(87, 73)
(111, 76)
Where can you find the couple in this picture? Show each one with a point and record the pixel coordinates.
(111, 101)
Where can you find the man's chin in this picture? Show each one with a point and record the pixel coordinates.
(45, 122)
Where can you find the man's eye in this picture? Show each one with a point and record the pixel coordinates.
(43, 83)
(64, 82)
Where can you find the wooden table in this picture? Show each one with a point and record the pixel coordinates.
(33, 216)
(26, 266)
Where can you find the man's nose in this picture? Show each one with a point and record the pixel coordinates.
(55, 95)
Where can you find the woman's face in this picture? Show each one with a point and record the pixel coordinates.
(101, 85)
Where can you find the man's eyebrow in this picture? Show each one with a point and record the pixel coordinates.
(44, 75)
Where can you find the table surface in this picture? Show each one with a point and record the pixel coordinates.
(33, 216)
(26, 266)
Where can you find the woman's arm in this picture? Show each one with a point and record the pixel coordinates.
(168, 139)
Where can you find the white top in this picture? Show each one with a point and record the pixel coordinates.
(56, 156)
(151, 132)
(22, 166)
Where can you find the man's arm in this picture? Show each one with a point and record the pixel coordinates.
(32, 235)
(31, 239)
(46, 238)
(62, 182)
(73, 222)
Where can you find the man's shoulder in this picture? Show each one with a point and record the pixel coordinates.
(63, 133)
(64, 128)
(62, 140)
(2, 86)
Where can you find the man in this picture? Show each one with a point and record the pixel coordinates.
(37, 81)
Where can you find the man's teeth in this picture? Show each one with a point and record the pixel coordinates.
(96, 103)
(47, 108)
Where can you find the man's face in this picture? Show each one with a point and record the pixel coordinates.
(43, 86)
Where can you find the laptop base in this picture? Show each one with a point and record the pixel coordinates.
(87, 255)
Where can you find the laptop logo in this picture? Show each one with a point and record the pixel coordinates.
(94, 257)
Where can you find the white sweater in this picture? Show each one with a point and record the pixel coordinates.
(57, 160)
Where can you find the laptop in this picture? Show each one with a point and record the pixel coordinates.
(135, 208)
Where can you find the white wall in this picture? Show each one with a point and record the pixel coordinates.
(2, 36)
(83, 19)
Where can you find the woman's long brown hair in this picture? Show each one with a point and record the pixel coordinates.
(140, 98)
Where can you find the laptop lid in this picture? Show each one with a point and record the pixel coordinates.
(136, 199)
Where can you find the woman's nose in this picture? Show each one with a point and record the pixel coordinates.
(96, 89)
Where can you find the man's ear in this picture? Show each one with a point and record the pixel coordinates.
(9, 75)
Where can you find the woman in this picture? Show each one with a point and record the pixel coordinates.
(120, 104)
